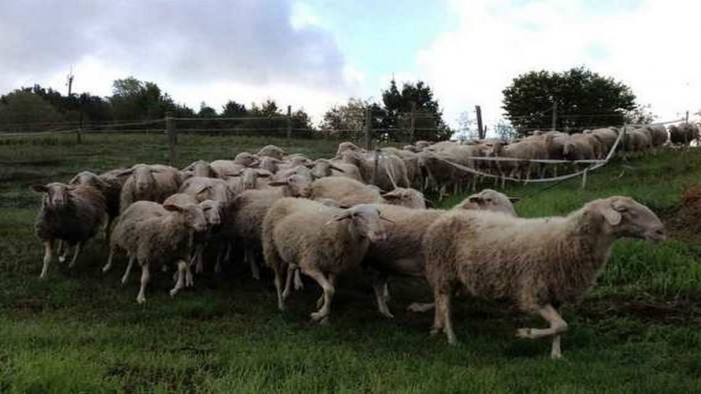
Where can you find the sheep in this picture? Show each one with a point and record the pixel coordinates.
(226, 168)
(421, 145)
(524, 150)
(246, 159)
(435, 171)
(248, 209)
(213, 214)
(411, 161)
(538, 264)
(71, 213)
(271, 151)
(148, 182)
(153, 233)
(658, 134)
(203, 188)
(607, 137)
(683, 133)
(348, 192)
(346, 146)
(110, 185)
(636, 140)
(249, 178)
(401, 254)
(200, 168)
(321, 241)
(269, 164)
(324, 167)
(389, 171)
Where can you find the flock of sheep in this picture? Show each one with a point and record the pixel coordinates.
(323, 217)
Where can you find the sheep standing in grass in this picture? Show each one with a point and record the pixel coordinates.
(148, 183)
(153, 233)
(538, 264)
(401, 253)
(110, 185)
(70, 213)
(321, 241)
(348, 192)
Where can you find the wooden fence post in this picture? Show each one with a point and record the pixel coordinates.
(553, 126)
(172, 138)
(289, 122)
(368, 127)
(480, 129)
(78, 138)
(412, 123)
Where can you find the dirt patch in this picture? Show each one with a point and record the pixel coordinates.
(685, 221)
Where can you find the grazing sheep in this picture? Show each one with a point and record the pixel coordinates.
(271, 151)
(70, 213)
(321, 241)
(149, 183)
(153, 233)
(538, 264)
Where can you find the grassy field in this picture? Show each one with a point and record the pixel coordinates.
(80, 331)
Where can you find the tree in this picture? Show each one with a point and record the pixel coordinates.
(640, 115)
(136, 100)
(206, 111)
(584, 100)
(467, 127)
(346, 120)
(23, 107)
(233, 109)
(396, 114)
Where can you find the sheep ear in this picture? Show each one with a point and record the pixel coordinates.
(514, 199)
(204, 189)
(172, 208)
(39, 188)
(343, 215)
(612, 216)
(476, 199)
(391, 196)
(190, 167)
(278, 183)
(264, 174)
(333, 167)
(254, 164)
(126, 172)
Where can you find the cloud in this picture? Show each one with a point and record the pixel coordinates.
(195, 50)
(650, 46)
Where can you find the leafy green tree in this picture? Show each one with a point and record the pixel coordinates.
(346, 120)
(23, 107)
(206, 111)
(233, 109)
(396, 114)
(136, 100)
(584, 100)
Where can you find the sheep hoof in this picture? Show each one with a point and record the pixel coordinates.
(325, 321)
(318, 316)
(418, 307)
(524, 333)
(42, 276)
(173, 292)
(557, 356)
(61, 259)
(434, 331)
(387, 314)
(106, 268)
(140, 299)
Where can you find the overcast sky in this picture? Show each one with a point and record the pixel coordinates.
(316, 53)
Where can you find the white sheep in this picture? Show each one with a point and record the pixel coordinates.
(538, 264)
(148, 183)
(321, 241)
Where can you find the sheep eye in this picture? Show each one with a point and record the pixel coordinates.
(489, 200)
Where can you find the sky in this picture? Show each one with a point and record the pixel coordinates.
(313, 54)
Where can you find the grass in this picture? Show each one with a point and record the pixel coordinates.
(79, 331)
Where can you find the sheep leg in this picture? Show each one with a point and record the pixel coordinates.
(288, 282)
(557, 327)
(250, 256)
(442, 319)
(379, 286)
(420, 307)
(145, 276)
(299, 285)
(182, 268)
(78, 246)
(189, 281)
(108, 266)
(48, 251)
(329, 290)
(125, 277)
(62, 254)
(199, 260)
(278, 287)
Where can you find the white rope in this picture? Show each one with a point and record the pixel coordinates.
(390, 174)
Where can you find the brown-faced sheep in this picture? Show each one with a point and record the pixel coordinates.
(538, 264)
(70, 213)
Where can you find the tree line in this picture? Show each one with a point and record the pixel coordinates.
(579, 97)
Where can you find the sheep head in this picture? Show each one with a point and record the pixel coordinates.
(212, 211)
(366, 220)
(625, 217)
(297, 185)
(192, 214)
(409, 198)
(56, 194)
